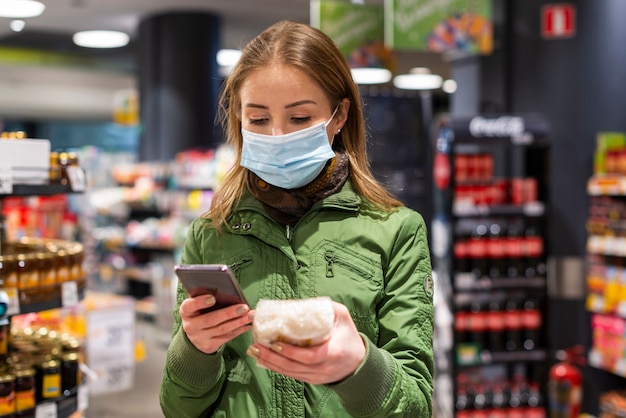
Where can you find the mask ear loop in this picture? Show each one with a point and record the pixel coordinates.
(333, 115)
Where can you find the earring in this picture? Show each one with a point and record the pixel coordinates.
(338, 130)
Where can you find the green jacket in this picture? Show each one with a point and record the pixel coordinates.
(376, 264)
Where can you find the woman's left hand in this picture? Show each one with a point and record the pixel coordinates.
(329, 362)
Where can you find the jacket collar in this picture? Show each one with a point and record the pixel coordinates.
(345, 199)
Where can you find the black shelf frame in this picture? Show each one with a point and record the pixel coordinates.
(46, 189)
(29, 302)
(520, 145)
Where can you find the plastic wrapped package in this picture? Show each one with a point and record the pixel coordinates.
(303, 322)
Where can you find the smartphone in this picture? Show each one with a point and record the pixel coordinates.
(215, 279)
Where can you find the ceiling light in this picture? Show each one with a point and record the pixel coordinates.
(21, 8)
(17, 25)
(228, 57)
(100, 38)
(370, 75)
(449, 86)
(419, 78)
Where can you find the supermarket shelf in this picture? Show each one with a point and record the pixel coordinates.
(597, 303)
(606, 245)
(615, 366)
(486, 357)
(529, 209)
(607, 184)
(142, 245)
(146, 309)
(468, 282)
(36, 300)
(39, 189)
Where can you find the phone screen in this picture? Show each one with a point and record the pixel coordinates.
(215, 279)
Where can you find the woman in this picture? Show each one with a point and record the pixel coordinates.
(302, 216)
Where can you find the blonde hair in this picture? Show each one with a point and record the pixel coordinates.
(311, 51)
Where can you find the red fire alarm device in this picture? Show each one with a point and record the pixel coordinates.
(558, 21)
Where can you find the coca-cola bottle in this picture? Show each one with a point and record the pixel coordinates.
(513, 251)
(495, 326)
(461, 325)
(513, 325)
(461, 253)
(499, 401)
(531, 324)
(478, 324)
(478, 251)
(496, 251)
(533, 250)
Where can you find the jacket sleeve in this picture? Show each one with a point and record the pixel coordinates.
(192, 379)
(401, 361)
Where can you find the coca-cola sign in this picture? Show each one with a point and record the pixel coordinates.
(518, 129)
(503, 126)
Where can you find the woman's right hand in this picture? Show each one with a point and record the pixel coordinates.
(208, 331)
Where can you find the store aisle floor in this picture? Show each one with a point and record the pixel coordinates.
(142, 401)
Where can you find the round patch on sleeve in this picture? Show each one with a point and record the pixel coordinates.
(429, 285)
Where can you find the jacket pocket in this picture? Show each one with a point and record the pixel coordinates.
(352, 278)
(245, 266)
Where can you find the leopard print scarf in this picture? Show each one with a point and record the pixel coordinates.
(287, 206)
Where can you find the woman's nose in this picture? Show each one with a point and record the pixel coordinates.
(277, 130)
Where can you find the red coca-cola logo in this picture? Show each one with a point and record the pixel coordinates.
(531, 319)
(513, 319)
(495, 321)
(441, 171)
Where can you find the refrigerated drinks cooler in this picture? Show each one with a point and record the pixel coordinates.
(399, 145)
(490, 175)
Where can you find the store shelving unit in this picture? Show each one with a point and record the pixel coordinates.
(488, 240)
(606, 284)
(32, 300)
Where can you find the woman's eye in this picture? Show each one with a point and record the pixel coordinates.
(300, 121)
(257, 122)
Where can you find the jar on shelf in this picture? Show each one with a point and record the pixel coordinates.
(63, 162)
(55, 168)
(47, 271)
(7, 395)
(62, 265)
(27, 271)
(25, 397)
(48, 380)
(70, 373)
(75, 259)
(8, 271)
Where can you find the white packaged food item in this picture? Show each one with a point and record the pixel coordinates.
(303, 322)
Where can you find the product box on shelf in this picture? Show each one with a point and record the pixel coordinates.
(27, 159)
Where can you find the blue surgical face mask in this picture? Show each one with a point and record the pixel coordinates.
(291, 160)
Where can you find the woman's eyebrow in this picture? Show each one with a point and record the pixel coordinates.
(287, 106)
(300, 102)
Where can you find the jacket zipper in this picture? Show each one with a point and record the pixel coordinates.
(288, 233)
(330, 259)
(236, 266)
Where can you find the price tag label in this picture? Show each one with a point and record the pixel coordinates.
(114, 375)
(46, 410)
(69, 294)
(77, 178)
(594, 358)
(111, 348)
(620, 367)
(13, 298)
(83, 397)
(534, 209)
(6, 179)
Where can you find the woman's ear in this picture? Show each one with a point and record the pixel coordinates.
(342, 114)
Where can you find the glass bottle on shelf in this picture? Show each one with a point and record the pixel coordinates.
(478, 251)
(513, 325)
